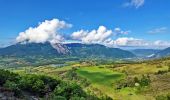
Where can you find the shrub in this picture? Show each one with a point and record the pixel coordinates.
(14, 87)
(77, 98)
(163, 97)
(6, 75)
(69, 90)
(145, 80)
(59, 98)
(131, 82)
(161, 72)
(136, 80)
(38, 84)
(71, 74)
(168, 68)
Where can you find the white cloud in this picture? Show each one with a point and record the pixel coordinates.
(94, 36)
(158, 30)
(45, 31)
(134, 3)
(101, 35)
(49, 31)
(79, 34)
(134, 42)
(118, 31)
(126, 42)
(130, 42)
(161, 43)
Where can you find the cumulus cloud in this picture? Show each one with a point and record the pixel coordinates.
(79, 34)
(134, 42)
(45, 31)
(158, 30)
(94, 36)
(124, 41)
(49, 30)
(134, 3)
(101, 35)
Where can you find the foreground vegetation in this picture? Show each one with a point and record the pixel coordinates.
(25, 86)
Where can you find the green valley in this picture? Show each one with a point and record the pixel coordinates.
(142, 80)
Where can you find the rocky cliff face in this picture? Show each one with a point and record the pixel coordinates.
(62, 49)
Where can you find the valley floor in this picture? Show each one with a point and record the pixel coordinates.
(147, 80)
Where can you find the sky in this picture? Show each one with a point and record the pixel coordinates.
(114, 23)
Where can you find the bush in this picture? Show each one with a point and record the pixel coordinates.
(163, 97)
(131, 82)
(6, 75)
(136, 80)
(168, 68)
(69, 90)
(161, 72)
(41, 85)
(77, 98)
(59, 98)
(37, 84)
(14, 87)
(145, 80)
(71, 74)
(50, 82)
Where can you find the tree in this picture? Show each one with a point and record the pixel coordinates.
(38, 87)
(69, 90)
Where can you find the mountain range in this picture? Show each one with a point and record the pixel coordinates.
(65, 50)
(78, 50)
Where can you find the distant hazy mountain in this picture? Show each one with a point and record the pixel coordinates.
(64, 50)
(145, 52)
(163, 53)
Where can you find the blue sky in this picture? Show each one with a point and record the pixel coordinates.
(149, 21)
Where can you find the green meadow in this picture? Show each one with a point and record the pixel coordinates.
(99, 75)
(105, 79)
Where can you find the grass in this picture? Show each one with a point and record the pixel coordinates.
(104, 79)
(101, 78)
(138, 69)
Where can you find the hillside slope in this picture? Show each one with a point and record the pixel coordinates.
(163, 53)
